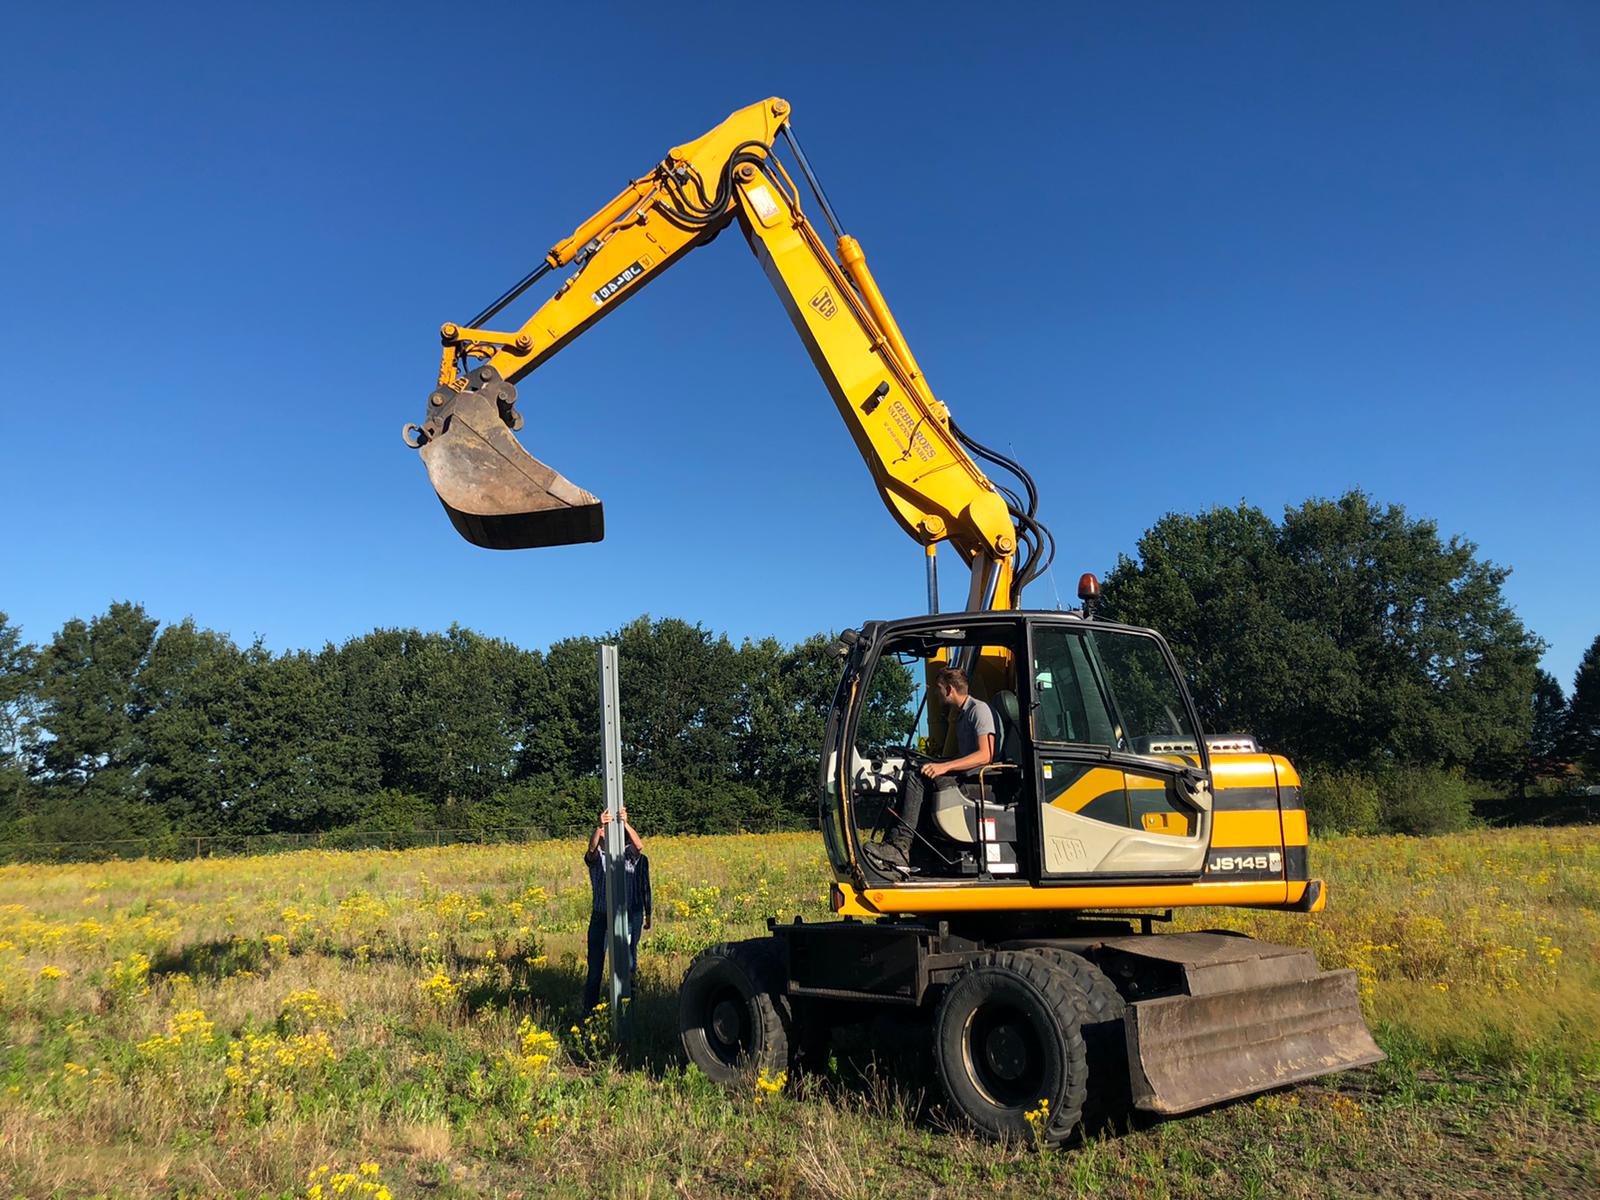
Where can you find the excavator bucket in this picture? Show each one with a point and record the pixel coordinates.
(1255, 1017)
(497, 494)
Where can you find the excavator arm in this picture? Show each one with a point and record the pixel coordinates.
(501, 497)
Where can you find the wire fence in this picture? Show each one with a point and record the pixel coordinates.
(186, 847)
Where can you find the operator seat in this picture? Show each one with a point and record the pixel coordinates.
(1007, 728)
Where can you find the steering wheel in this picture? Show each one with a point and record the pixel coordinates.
(880, 753)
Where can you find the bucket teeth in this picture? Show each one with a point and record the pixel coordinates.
(497, 494)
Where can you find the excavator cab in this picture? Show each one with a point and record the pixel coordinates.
(498, 495)
(1098, 767)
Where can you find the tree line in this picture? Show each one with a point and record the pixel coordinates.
(120, 727)
(1348, 636)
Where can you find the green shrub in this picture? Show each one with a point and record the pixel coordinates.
(1341, 801)
(561, 808)
(1424, 800)
(88, 829)
(1553, 787)
(392, 809)
(362, 838)
(491, 814)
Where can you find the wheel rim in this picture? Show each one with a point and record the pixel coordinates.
(727, 1026)
(1004, 1056)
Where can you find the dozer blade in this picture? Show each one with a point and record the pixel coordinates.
(497, 494)
(1188, 1052)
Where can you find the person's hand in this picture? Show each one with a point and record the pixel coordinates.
(932, 770)
(605, 818)
(647, 922)
(622, 812)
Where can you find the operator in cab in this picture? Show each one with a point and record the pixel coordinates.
(975, 738)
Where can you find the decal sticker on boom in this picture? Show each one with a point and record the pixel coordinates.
(823, 303)
(766, 207)
(626, 276)
(900, 419)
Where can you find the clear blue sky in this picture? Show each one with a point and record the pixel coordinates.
(1174, 255)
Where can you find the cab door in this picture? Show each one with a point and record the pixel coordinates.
(1123, 782)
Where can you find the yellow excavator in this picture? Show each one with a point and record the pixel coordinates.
(1016, 930)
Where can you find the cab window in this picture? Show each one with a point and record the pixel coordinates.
(1108, 688)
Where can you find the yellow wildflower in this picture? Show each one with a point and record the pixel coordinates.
(308, 1006)
(440, 988)
(1038, 1120)
(770, 1085)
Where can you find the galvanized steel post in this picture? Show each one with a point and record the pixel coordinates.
(616, 840)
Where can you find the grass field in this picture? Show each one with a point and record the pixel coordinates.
(399, 1024)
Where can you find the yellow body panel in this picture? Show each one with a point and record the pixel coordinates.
(1005, 897)
(1242, 771)
(1173, 824)
(1238, 829)
(1094, 783)
(1118, 787)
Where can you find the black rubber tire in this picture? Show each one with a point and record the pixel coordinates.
(1005, 1037)
(1104, 1040)
(733, 1016)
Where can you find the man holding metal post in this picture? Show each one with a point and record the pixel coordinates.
(636, 873)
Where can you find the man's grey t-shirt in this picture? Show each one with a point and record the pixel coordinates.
(976, 719)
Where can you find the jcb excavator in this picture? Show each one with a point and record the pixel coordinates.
(1011, 924)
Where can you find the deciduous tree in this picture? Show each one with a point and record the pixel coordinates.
(17, 682)
(1348, 633)
(86, 735)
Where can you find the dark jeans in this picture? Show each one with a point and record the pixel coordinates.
(913, 787)
(599, 935)
(914, 791)
(635, 928)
